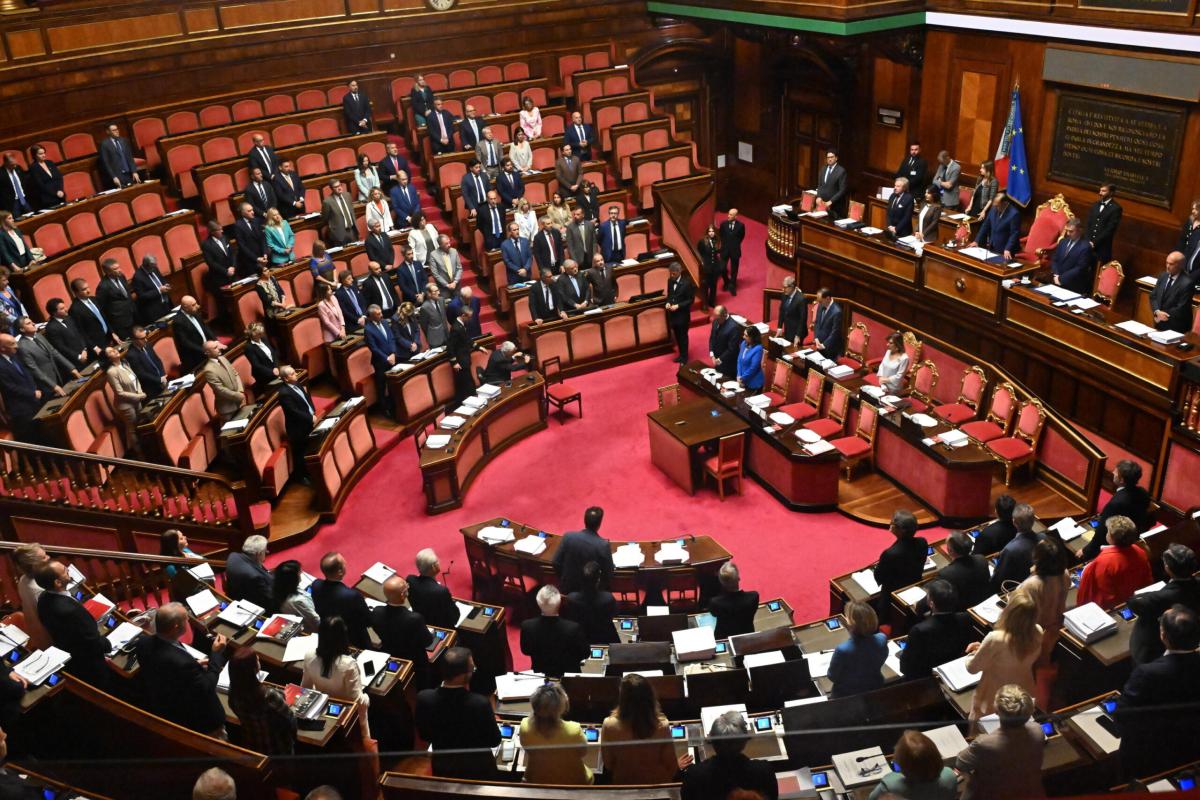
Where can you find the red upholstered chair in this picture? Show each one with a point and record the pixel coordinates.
(834, 421)
(489, 74)
(271, 461)
(147, 206)
(53, 239)
(682, 588)
(78, 145)
(146, 131)
(460, 78)
(1108, 282)
(323, 128)
(1020, 448)
(623, 584)
(247, 109)
(924, 381)
(516, 71)
(810, 407)
(482, 103)
(288, 135)
(182, 122)
(780, 374)
(505, 101)
(180, 160)
(218, 149)
(340, 158)
(596, 59)
(279, 104)
(436, 81)
(857, 342)
(217, 188)
(568, 65)
(214, 115)
(401, 87)
(857, 210)
(181, 242)
(558, 393)
(999, 417)
(861, 446)
(553, 125)
(77, 185)
(115, 217)
(479, 558)
(310, 99)
(374, 150)
(311, 164)
(970, 395)
(1047, 228)
(727, 463)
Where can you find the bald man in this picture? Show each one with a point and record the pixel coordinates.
(1171, 300)
(190, 332)
(176, 686)
(402, 631)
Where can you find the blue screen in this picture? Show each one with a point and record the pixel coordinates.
(678, 732)
(820, 779)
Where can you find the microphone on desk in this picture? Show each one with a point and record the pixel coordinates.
(446, 573)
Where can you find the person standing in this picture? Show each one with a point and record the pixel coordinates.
(733, 232)
(680, 293)
(1103, 220)
(458, 348)
(946, 179)
(459, 724)
(710, 266)
(914, 169)
(577, 548)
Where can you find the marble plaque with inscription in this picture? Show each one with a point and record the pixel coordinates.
(1133, 145)
(1152, 6)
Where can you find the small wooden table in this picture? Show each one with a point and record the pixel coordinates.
(677, 432)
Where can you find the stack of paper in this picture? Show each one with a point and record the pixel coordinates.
(325, 424)
(981, 253)
(780, 418)
(202, 602)
(671, 552)
(532, 545)
(819, 447)
(98, 605)
(845, 222)
(517, 686)
(1089, 623)
(818, 663)
(738, 318)
(866, 579)
(403, 366)
(758, 401)
(372, 603)
(924, 420)
(954, 674)
(74, 578)
(628, 555)
(202, 572)
(436, 441)
(41, 664)
(12, 636)
(892, 660)
(452, 422)
(235, 425)
(379, 572)
(840, 371)
(475, 401)
(694, 644)
(123, 634)
(870, 231)
(954, 438)
(751, 660)
(299, 648)
(762, 328)
(1165, 337)
(280, 627)
(860, 767)
(949, 741)
(1134, 327)
(488, 390)
(305, 703)
(989, 610)
(818, 214)
(1067, 529)
(783, 208)
(1084, 303)
(872, 391)
(912, 595)
(780, 341)
(1154, 587)
(465, 411)
(240, 613)
(494, 534)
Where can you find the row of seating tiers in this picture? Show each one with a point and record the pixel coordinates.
(316, 189)
(504, 128)
(650, 166)
(449, 168)
(58, 231)
(602, 82)
(210, 145)
(634, 137)
(460, 78)
(488, 99)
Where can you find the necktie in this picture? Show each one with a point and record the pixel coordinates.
(262, 192)
(16, 182)
(96, 312)
(154, 279)
(495, 219)
(412, 273)
(304, 397)
(549, 299)
(345, 212)
(579, 132)
(442, 125)
(575, 286)
(550, 247)
(478, 190)
(616, 234)
(383, 294)
(491, 155)
(1070, 244)
(16, 364)
(120, 287)
(1170, 283)
(354, 302)
(827, 171)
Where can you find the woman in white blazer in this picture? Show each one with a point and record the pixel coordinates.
(378, 209)
(332, 670)
(422, 238)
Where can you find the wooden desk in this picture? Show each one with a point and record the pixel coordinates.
(421, 391)
(678, 432)
(518, 411)
(1092, 335)
(891, 260)
(969, 280)
(778, 460)
(1142, 288)
(877, 209)
(92, 204)
(613, 335)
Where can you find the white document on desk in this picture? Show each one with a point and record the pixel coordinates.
(379, 572)
(818, 663)
(299, 648)
(860, 767)
(628, 555)
(866, 580)
(202, 602)
(949, 741)
(912, 595)
(981, 253)
(954, 674)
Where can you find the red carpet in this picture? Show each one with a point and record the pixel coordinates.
(550, 478)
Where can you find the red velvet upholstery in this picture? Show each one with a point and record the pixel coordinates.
(982, 430)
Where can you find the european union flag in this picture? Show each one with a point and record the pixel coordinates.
(1020, 188)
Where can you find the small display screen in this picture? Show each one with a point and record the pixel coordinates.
(1126, 614)
(762, 724)
(79, 596)
(506, 731)
(626, 624)
(333, 710)
(440, 634)
(929, 550)
(504, 523)
(591, 734)
(1187, 783)
(393, 666)
(110, 622)
(14, 656)
(1048, 728)
(542, 534)
(1095, 523)
(679, 542)
(678, 732)
(53, 680)
(895, 767)
(258, 623)
(597, 652)
(820, 780)
(1109, 706)
(722, 647)
(833, 624)
(488, 611)
(902, 644)
(774, 605)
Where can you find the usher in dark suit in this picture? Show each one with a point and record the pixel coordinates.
(1073, 262)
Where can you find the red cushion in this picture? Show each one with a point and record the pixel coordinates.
(851, 446)
(799, 411)
(775, 397)
(562, 392)
(917, 406)
(825, 427)
(1010, 448)
(954, 413)
(849, 362)
(872, 379)
(730, 468)
(260, 515)
(982, 430)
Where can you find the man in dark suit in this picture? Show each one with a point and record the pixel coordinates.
(940, 637)
(827, 325)
(245, 575)
(680, 294)
(464, 297)
(14, 188)
(89, 320)
(732, 233)
(544, 303)
(145, 363)
(1103, 220)
(49, 369)
(251, 241)
(71, 627)
(429, 598)
(1073, 262)
(22, 397)
(453, 718)
(1156, 713)
(458, 348)
(354, 305)
(390, 167)
(900, 211)
(490, 221)
(410, 278)
(116, 160)
(1128, 499)
(289, 190)
(262, 156)
(517, 255)
(580, 136)
(62, 332)
(1181, 588)
(502, 361)
(915, 170)
(114, 298)
(190, 333)
(967, 573)
(405, 200)
(333, 598)
(151, 293)
(259, 193)
(382, 344)
(602, 282)
(356, 110)
(440, 125)
(793, 313)
(475, 187)
(509, 184)
(574, 292)
(554, 645)
(593, 607)
(1016, 558)
(379, 289)
(723, 342)
(831, 187)
(729, 768)
(218, 256)
(263, 358)
(1171, 299)
(337, 215)
(176, 686)
(1000, 532)
(733, 608)
(612, 236)
(1001, 229)
(402, 631)
(470, 128)
(378, 246)
(577, 548)
(299, 417)
(901, 564)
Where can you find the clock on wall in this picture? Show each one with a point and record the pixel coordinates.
(441, 5)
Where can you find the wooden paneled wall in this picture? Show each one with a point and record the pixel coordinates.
(896, 86)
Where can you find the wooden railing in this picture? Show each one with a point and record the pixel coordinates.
(686, 207)
(64, 488)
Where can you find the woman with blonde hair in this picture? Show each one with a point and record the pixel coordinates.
(281, 242)
(554, 748)
(526, 220)
(1007, 654)
(855, 666)
(639, 718)
(379, 210)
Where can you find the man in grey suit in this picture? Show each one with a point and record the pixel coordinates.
(946, 178)
(567, 169)
(490, 153)
(1008, 761)
(1171, 300)
(581, 238)
(48, 368)
(337, 214)
(831, 189)
(445, 266)
(224, 380)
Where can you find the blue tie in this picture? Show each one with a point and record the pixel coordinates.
(16, 181)
(17, 364)
(354, 300)
(95, 311)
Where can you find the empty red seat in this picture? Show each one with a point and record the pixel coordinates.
(218, 148)
(53, 239)
(459, 78)
(401, 87)
(597, 59)
(217, 189)
(312, 164)
(279, 104)
(323, 128)
(341, 158)
(436, 81)
(78, 145)
(146, 131)
(214, 115)
(374, 151)
(115, 217)
(310, 99)
(182, 122)
(147, 206)
(180, 160)
(517, 70)
(482, 103)
(505, 102)
(247, 109)
(288, 135)
(181, 242)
